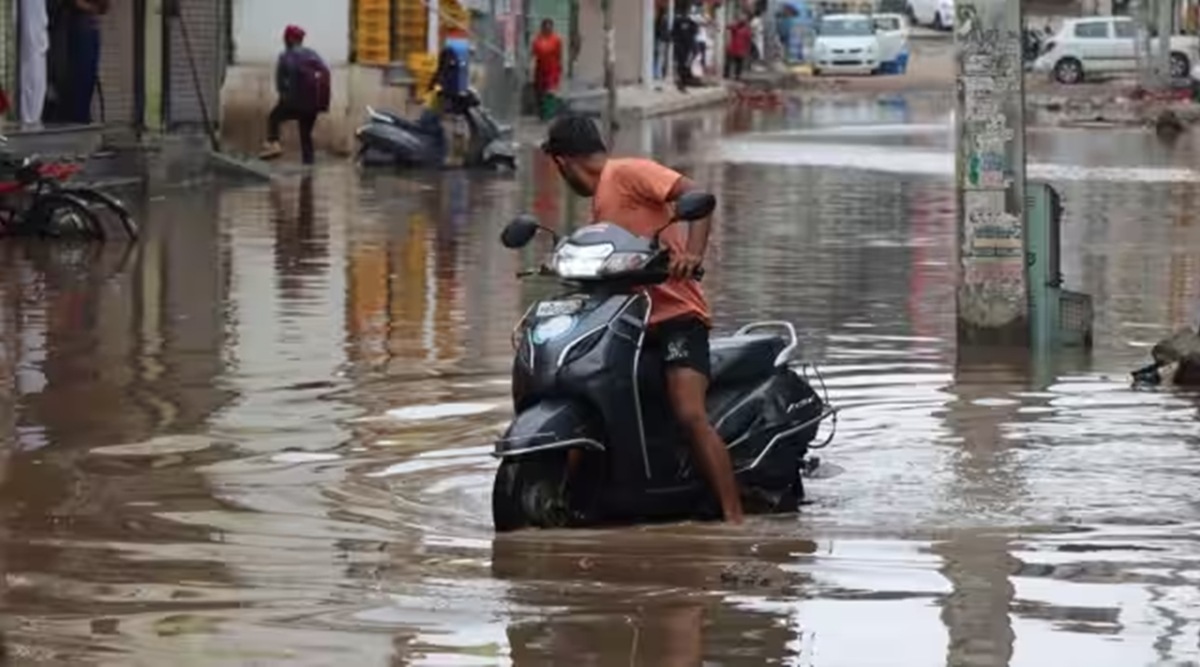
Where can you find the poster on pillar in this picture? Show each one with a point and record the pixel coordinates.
(990, 95)
(989, 231)
(990, 168)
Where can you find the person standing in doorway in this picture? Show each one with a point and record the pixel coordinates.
(547, 49)
(302, 81)
(35, 44)
(83, 28)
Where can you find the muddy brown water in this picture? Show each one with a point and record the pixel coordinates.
(261, 437)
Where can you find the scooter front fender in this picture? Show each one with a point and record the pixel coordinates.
(499, 152)
(549, 425)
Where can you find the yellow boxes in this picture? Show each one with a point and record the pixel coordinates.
(373, 32)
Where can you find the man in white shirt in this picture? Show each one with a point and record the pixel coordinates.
(35, 43)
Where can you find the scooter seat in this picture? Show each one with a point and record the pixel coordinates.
(744, 358)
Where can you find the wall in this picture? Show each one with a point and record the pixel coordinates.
(205, 24)
(628, 16)
(117, 103)
(258, 29)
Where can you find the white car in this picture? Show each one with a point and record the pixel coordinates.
(892, 32)
(936, 13)
(1106, 45)
(846, 44)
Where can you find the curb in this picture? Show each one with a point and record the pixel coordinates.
(699, 98)
(704, 101)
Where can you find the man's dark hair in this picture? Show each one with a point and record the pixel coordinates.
(573, 136)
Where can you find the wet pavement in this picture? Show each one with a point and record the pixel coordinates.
(261, 437)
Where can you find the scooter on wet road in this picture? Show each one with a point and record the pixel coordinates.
(388, 139)
(593, 440)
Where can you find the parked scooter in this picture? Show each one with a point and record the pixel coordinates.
(392, 140)
(1176, 361)
(593, 440)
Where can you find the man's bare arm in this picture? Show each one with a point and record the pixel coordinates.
(698, 230)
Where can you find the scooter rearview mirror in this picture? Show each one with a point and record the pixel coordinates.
(519, 232)
(693, 206)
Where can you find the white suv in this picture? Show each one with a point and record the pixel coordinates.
(1105, 45)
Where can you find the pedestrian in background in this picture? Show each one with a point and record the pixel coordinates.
(758, 38)
(35, 45)
(683, 39)
(662, 41)
(547, 50)
(737, 49)
(302, 81)
(703, 39)
(83, 28)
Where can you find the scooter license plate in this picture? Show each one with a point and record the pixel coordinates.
(555, 308)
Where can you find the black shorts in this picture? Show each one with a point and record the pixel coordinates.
(682, 342)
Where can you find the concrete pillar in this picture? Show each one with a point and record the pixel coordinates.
(990, 174)
(721, 21)
(1165, 27)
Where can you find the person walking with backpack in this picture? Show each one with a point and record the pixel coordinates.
(302, 81)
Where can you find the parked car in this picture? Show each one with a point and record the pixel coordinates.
(892, 33)
(938, 14)
(846, 44)
(1106, 46)
(1194, 80)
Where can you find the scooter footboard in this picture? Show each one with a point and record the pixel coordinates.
(549, 425)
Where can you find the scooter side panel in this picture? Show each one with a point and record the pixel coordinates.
(550, 344)
(404, 146)
(603, 371)
(589, 357)
(747, 416)
(550, 424)
(763, 438)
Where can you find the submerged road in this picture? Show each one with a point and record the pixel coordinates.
(262, 437)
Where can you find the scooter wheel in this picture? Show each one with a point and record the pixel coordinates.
(532, 492)
(528, 493)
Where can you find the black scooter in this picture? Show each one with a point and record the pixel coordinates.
(388, 139)
(593, 440)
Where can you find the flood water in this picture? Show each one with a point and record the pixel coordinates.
(261, 437)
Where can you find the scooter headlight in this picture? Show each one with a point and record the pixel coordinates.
(623, 262)
(580, 261)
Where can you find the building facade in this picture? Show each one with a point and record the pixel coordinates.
(146, 77)
(214, 59)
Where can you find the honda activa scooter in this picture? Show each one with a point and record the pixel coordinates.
(593, 439)
(388, 139)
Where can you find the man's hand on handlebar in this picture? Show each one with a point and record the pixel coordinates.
(684, 265)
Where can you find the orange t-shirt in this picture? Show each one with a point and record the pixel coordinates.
(632, 193)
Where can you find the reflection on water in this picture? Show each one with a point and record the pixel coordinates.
(260, 437)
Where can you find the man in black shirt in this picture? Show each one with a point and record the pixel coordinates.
(684, 37)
